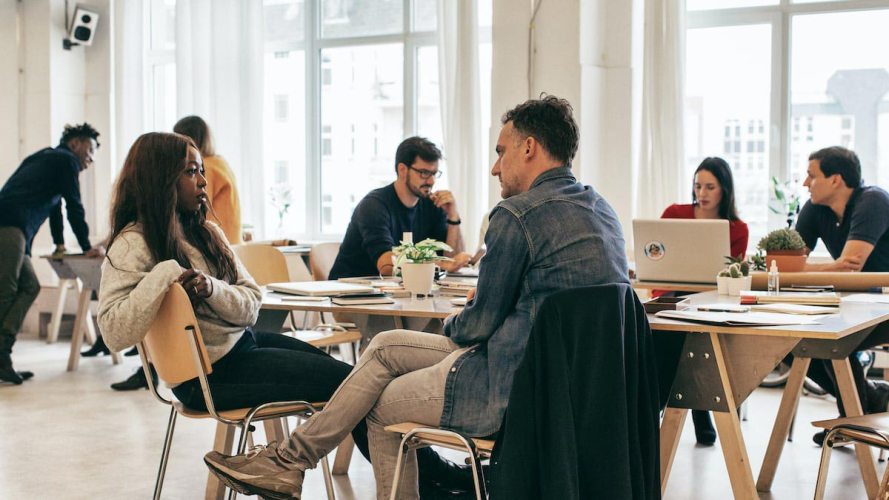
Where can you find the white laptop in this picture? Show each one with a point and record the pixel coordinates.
(680, 250)
(319, 288)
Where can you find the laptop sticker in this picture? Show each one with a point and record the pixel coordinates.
(655, 250)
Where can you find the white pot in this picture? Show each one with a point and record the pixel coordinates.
(418, 278)
(722, 284)
(736, 285)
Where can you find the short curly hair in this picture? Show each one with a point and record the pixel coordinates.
(84, 130)
(550, 121)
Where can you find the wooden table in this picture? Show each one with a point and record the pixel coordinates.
(86, 274)
(719, 366)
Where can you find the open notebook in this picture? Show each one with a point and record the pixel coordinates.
(739, 319)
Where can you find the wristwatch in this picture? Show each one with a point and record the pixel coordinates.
(454, 222)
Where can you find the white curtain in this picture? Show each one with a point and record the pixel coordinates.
(219, 77)
(461, 112)
(661, 178)
(129, 81)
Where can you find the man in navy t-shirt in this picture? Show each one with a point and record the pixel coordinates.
(31, 195)
(853, 222)
(407, 205)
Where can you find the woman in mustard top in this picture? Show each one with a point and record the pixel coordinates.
(221, 189)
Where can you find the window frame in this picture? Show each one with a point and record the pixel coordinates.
(779, 17)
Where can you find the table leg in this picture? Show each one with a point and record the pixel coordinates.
(223, 443)
(83, 311)
(671, 431)
(53, 334)
(728, 428)
(786, 412)
(344, 456)
(852, 406)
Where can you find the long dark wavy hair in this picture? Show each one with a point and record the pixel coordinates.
(720, 169)
(147, 193)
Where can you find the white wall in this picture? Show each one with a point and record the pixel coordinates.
(9, 88)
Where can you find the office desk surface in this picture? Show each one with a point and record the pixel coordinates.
(673, 287)
(852, 318)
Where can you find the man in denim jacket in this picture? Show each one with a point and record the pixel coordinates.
(550, 233)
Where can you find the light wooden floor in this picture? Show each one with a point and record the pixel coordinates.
(68, 436)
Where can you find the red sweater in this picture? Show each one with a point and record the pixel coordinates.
(737, 229)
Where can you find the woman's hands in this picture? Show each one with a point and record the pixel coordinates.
(197, 284)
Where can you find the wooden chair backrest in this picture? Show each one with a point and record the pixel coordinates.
(321, 258)
(167, 342)
(264, 262)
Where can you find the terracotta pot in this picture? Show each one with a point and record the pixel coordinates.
(788, 261)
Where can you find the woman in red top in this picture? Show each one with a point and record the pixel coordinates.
(713, 197)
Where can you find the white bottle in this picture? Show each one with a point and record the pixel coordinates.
(407, 237)
(774, 286)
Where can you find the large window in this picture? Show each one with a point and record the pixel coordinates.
(770, 81)
(344, 82)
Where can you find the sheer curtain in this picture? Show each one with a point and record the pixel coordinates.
(461, 111)
(661, 178)
(129, 115)
(219, 73)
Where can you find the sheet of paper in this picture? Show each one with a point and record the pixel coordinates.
(740, 319)
(867, 298)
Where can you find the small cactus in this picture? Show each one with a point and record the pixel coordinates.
(735, 271)
(745, 268)
(725, 273)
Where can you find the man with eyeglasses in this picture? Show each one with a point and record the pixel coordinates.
(407, 205)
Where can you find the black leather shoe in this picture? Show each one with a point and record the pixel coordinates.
(132, 352)
(877, 396)
(98, 348)
(134, 382)
(704, 431)
(7, 374)
(26, 375)
(442, 472)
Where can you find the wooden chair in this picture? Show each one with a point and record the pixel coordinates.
(267, 265)
(321, 259)
(416, 436)
(870, 430)
(176, 349)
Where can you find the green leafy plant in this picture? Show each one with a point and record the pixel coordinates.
(758, 260)
(781, 239)
(785, 200)
(422, 252)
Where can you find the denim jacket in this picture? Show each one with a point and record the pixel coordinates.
(559, 234)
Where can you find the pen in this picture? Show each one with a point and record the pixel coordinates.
(878, 289)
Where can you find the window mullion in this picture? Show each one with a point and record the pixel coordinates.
(313, 120)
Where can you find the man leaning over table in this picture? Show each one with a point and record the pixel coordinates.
(408, 204)
(550, 233)
(853, 222)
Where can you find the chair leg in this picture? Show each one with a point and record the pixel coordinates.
(478, 477)
(165, 455)
(820, 483)
(399, 466)
(328, 479)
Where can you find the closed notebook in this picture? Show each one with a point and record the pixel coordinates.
(362, 299)
(319, 288)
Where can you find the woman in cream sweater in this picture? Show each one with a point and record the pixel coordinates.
(160, 235)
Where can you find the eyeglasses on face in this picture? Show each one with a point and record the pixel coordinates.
(425, 174)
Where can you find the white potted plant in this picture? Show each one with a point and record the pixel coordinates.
(739, 279)
(722, 281)
(417, 263)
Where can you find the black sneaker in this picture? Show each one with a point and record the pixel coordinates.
(97, 349)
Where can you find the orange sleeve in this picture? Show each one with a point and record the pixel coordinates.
(223, 195)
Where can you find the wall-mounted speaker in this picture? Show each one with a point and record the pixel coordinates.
(83, 26)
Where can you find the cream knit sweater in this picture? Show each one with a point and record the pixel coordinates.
(134, 286)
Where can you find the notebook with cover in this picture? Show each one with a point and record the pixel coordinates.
(358, 299)
(319, 288)
(680, 250)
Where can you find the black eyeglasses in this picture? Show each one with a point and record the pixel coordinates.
(425, 174)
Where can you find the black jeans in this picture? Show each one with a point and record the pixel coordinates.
(266, 367)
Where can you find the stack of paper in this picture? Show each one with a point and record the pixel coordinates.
(738, 319)
(794, 309)
(815, 299)
(456, 286)
(867, 298)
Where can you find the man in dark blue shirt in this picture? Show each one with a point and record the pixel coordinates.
(30, 195)
(853, 222)
(407, 205)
